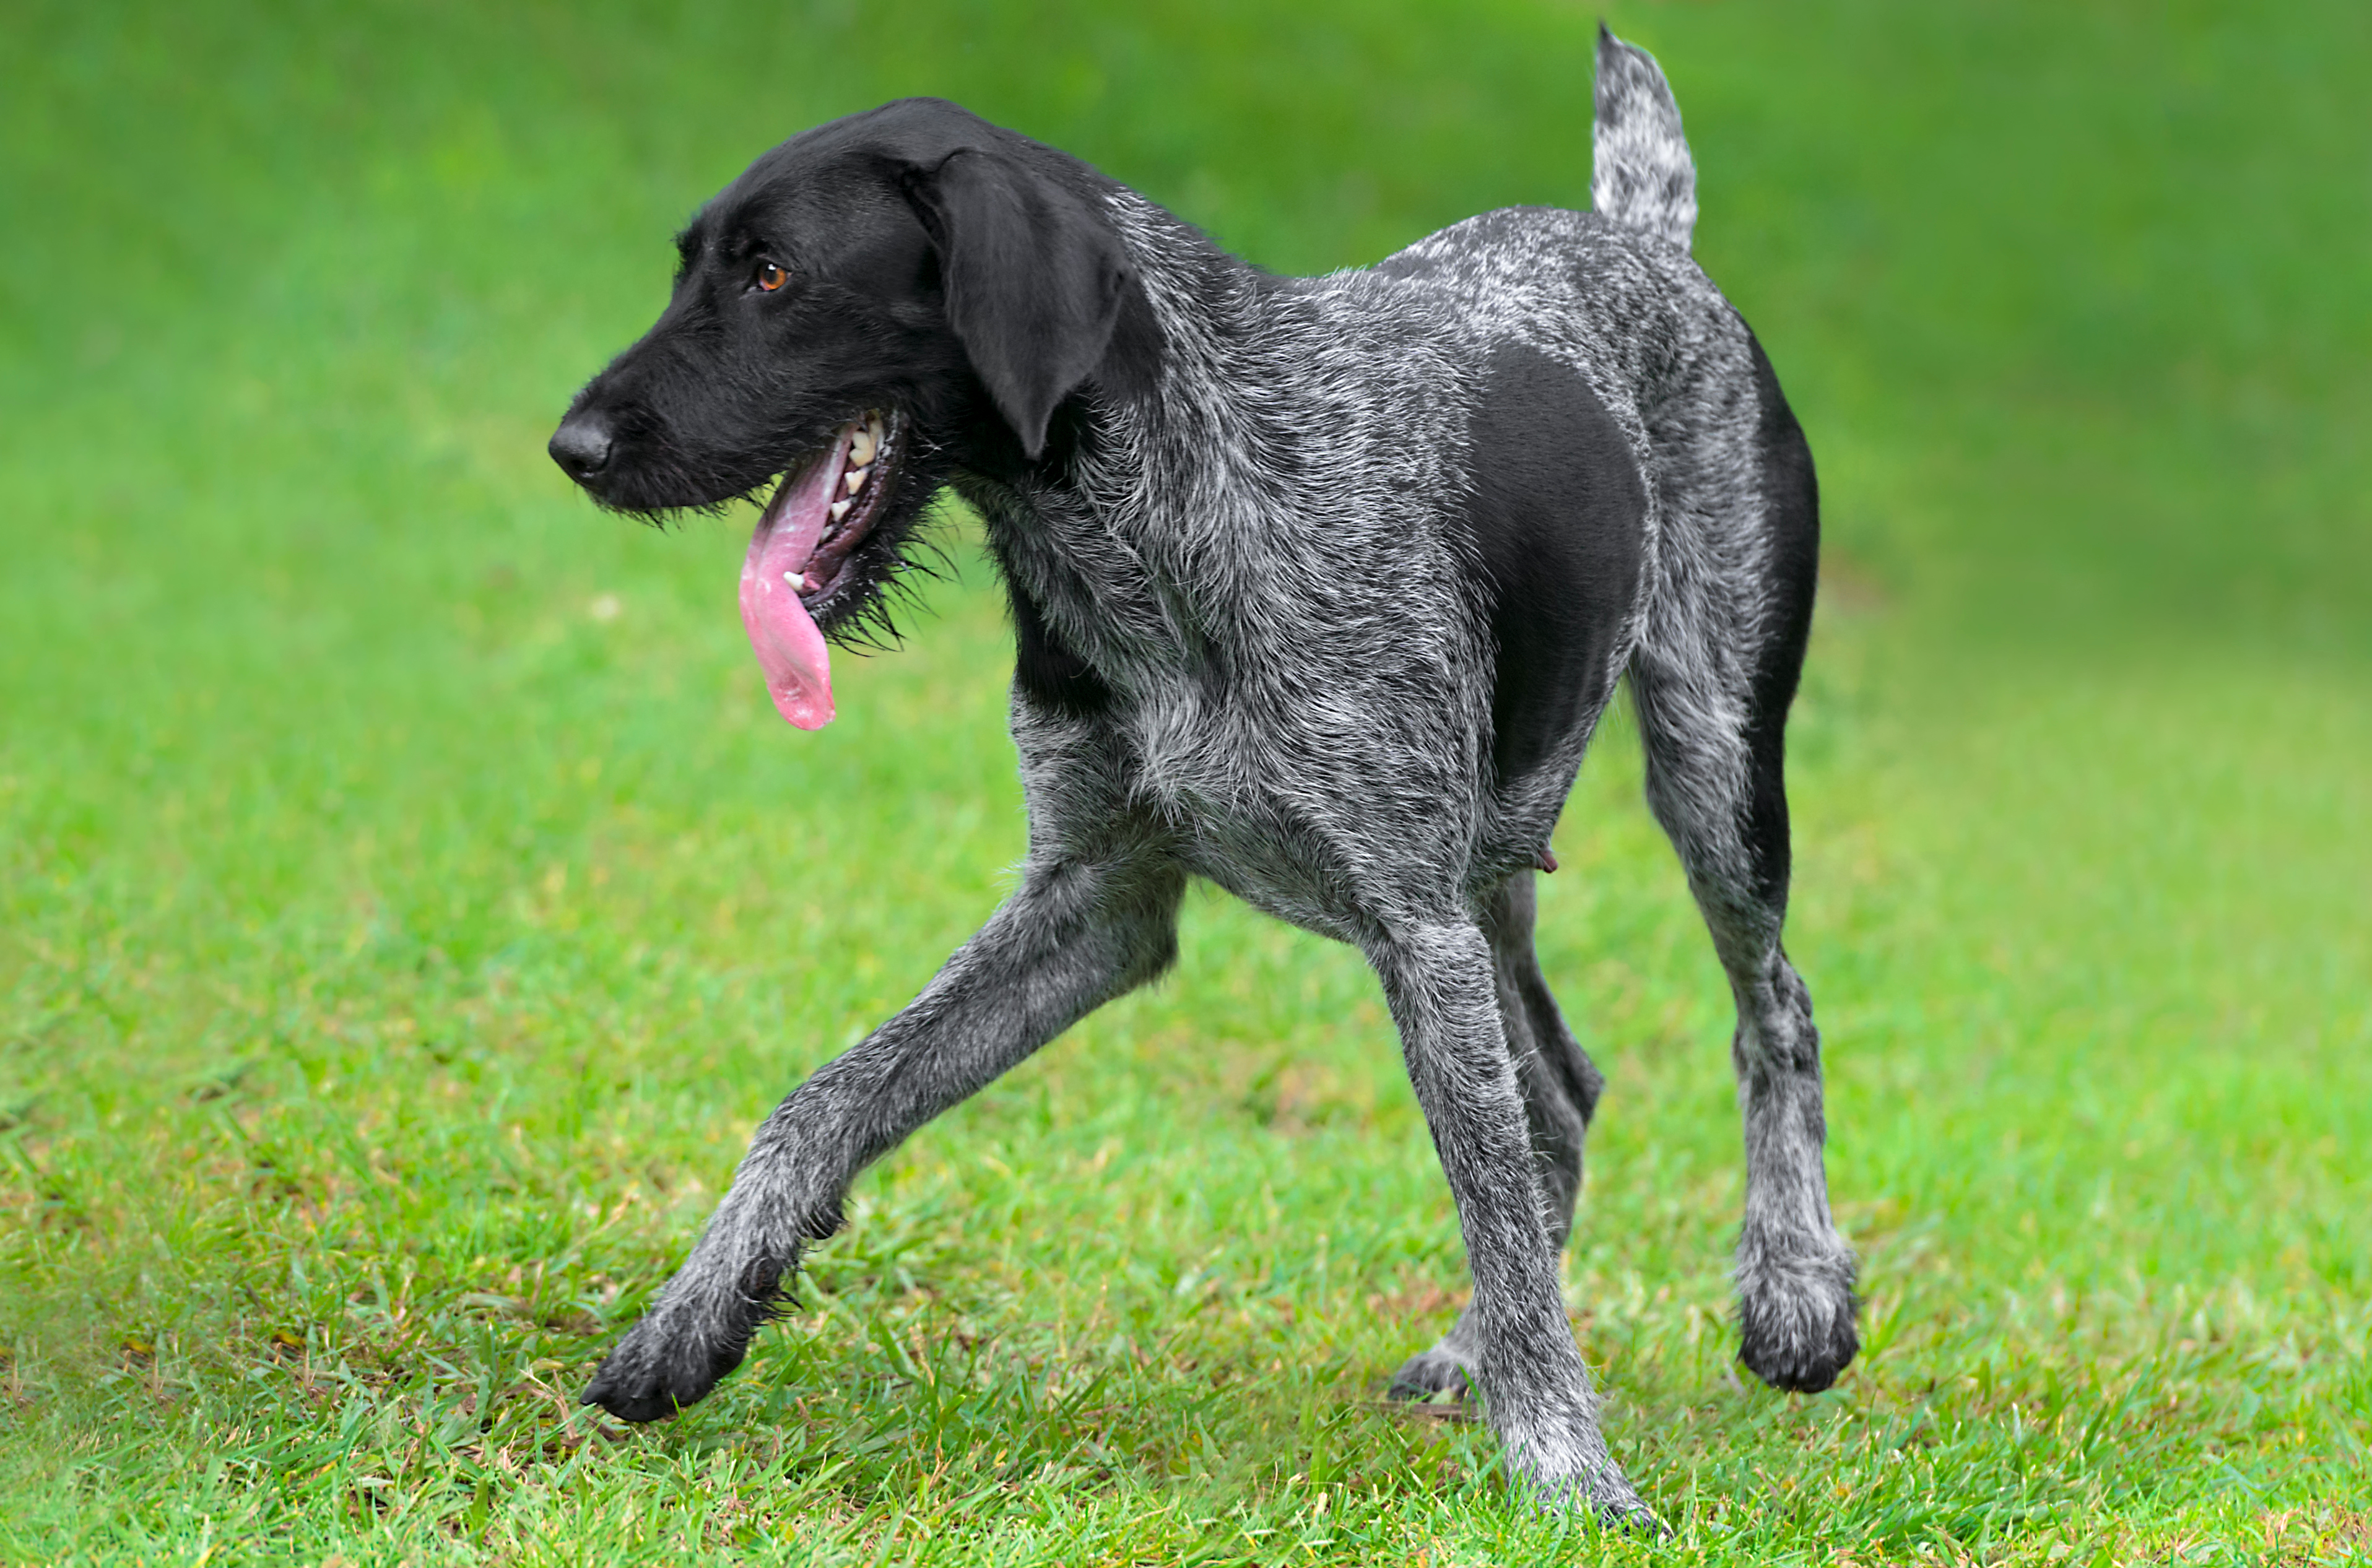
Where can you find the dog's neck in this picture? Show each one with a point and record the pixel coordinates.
(1135, 537)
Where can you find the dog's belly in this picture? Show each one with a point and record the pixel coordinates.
(1339, 829)
(1337, 862)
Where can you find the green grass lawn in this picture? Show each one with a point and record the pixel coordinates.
(409, 900)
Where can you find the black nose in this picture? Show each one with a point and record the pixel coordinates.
(581, 446)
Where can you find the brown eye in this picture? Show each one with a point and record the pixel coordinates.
(770, 277)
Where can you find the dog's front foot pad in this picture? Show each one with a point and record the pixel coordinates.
(1796, 1322)
(657, 1369)
(1434, 1374)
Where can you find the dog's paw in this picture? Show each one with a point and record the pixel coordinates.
(1570, 1471)
(1795, 1320)
(1623, 1510)
(1606, 1494)
(1435, 1373)
(661, 1367)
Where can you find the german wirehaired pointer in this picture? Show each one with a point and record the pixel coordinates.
(1320, 586)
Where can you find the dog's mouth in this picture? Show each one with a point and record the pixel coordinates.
(797, 573)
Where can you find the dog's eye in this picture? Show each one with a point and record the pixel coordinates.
(770, 277)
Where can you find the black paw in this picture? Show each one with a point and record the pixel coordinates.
(1430, 1375)
(1796, 1325)
(656, 1372)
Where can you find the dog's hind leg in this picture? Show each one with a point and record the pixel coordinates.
(1560, 1087)
(1072, 937)
(1713, 679)
(1795, 1273)
(1440, 981)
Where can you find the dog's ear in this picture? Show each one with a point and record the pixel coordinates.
(1035, 280)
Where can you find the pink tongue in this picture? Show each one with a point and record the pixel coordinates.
(790, 650)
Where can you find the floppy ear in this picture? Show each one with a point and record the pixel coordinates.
(1035, 280)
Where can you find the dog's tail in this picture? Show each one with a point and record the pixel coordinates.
(1642, 176)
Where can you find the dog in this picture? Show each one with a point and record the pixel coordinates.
(1319, 587)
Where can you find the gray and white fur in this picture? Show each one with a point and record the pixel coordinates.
(1334, 604)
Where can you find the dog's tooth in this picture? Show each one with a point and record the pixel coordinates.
(873, 428)
(861, 447)
(839, 509)
(798, 581)
(854, 478)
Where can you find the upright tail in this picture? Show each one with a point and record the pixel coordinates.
(1642, 176)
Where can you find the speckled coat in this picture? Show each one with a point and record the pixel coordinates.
(1323, 605)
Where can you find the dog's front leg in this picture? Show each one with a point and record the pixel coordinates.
(1439, 983)
(1072, 937)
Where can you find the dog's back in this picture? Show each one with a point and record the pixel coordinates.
(1464, 491)
(1613, 296)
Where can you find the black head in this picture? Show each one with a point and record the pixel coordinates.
(952, 282)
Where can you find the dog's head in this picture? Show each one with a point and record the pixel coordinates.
(872, 307)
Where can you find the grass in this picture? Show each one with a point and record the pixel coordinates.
(408, 901)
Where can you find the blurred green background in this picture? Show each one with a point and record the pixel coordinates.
(407, 899)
